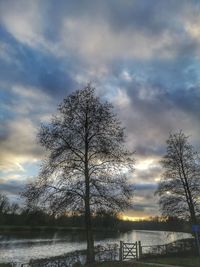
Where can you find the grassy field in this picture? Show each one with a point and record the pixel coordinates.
(120, 264)
(174, 261)
(180, 261)
(185, 262)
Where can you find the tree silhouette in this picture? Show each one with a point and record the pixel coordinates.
(179, 188)
(86, 165)
(4, 204)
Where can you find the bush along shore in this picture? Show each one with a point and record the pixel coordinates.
(109, 252)
(70, 259)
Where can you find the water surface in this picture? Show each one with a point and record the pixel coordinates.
(22, 247)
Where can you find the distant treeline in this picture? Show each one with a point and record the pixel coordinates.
(156, 223)
(14, 215)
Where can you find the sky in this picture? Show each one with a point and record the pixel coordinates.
(143, 56)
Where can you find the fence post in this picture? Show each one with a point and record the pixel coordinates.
(197, 242)
(140, 249)
(121, 251)
(136, 246)
(166, 248)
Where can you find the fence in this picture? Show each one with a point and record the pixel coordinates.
(19, 264)
(179, 246)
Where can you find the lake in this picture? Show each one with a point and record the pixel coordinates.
(21, 247)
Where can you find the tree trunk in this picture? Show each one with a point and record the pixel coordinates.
(193, 218)
(88, 223)
(89, 235)
(191, 206)
(192, 213)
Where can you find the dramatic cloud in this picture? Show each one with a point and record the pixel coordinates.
(143, 56)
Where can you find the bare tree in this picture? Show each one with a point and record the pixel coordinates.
(87, 163)
(4, 204)
(14, 208)
(179, 189)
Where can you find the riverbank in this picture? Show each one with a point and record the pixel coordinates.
(28, 228)
(101, 222)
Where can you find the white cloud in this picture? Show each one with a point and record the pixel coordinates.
(25, 21)
(26, 98)
(30, 93)
(22, 20)
(20, 146)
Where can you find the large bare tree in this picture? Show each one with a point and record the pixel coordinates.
(86, 165)
(179, 189)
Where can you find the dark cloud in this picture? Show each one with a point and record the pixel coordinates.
(188, 100)
(148, 16)
(31, 68)
(152, 16)
(145, 186)
(12, 187)
(143, 207)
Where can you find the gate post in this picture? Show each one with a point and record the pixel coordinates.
(136, 248)
(140, 249)
(121, 251)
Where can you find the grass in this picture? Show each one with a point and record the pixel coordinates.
(102, 264)
(174, 261)
(121, 264)
(180, 261)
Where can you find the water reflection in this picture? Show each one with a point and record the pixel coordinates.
(32, 245)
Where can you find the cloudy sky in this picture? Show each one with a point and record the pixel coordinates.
(143, 56)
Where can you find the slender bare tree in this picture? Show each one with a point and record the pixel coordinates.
(179, 189)
(4, 204)
(87, 164)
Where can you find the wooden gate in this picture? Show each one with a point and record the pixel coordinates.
(129, 251)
